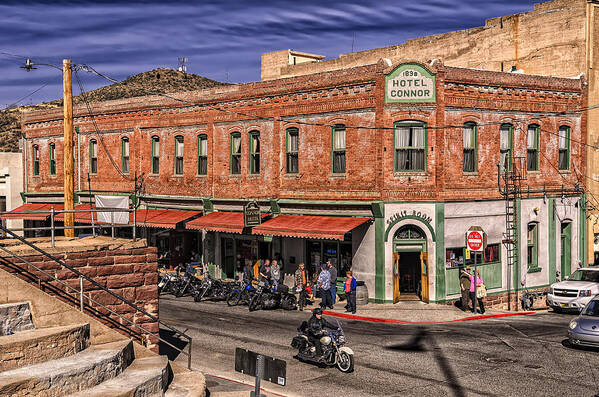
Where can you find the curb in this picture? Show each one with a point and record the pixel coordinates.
(249, 385)
(391, 321)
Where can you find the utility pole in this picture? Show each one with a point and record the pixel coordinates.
(69, 193)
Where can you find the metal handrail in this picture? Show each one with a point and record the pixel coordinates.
(101, 287)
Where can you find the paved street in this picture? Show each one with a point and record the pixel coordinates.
(522, 355)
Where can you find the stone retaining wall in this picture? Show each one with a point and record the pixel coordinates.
(128, 272)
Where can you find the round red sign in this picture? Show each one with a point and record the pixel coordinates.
(474, 240)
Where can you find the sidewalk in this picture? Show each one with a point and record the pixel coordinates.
(412, 311)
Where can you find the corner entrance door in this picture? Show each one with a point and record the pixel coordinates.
(395, 277)
(424, 276)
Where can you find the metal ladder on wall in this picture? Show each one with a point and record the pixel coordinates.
(512, 190)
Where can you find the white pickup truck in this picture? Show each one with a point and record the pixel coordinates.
(575, 291)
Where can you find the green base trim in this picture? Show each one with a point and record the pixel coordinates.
(439, 252)
(378, 210)
(504, 291)
(376, 300)
(534, 270)
(552, 241)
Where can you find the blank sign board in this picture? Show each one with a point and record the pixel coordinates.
(275, 370)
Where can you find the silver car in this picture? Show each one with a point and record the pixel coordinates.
(584, 329)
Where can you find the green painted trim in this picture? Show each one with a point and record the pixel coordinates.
(274, 207)
(207, 205)
(503, 291)
(518, 256)
(535, 247)
(410, 123)
(378, 210)
(23, 197)
(35, 150)
(411, 65)
(338, 202)
(155, 140)
(234, 135)
(552, 241)
(177, 154)
(51, 158)
(582, 233)
(93, 154)
(475, 132)
(428, 225)
(568, 143)
(377, 300)
(288, 131)
(511, 144)
(534, 270)
(439, 252)
(201, 138)
(124, 142)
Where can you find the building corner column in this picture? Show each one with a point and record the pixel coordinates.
(378, 211)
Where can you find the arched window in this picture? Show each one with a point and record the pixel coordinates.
(410, 146)
(202, 154)
(254, 152)
(236, 153)
(125, 155)
(155, 155)
(506, 146)
(338, 149)
(469, 147)
(35, 154)
(292, 144)
(93, 156)
(564, 148)
(179, 155)
(532, 148)
(52, 159)
(409, 232)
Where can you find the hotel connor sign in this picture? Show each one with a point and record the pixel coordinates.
(410, 82)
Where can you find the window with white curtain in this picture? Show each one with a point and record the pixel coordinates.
(93, 156)
(179, 150)
(505, 146)
(564, 148)
(155, 155)
(292, 150)
(338, 149)
(532, 148)
(469, 133)
(236, 153)
(254, 152)
(202, 154)
(125, 155)
(410, 146)
(36, 159)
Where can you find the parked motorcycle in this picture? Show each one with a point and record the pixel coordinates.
(240, 294)
(265, 297)
(334, 351)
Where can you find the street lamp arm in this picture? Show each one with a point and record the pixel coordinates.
(30, 65)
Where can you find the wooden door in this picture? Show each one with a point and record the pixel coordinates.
(395, 277)
(424, 276)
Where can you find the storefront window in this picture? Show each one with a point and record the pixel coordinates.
(457, 257)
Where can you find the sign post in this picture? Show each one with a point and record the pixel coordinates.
(476, 241)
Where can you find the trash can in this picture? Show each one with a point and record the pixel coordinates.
(361, 293)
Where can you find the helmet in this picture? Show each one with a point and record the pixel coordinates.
(318, 310)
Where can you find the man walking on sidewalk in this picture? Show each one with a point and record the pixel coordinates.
(333, 271)
(465, 287)
(324, 284)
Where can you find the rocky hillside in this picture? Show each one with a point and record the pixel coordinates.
(159, 81)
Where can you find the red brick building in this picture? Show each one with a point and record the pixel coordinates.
(394, 160)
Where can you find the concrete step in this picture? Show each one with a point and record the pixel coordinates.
(67, 375)
(187, 384)
(145, 377)
(15, 317)
(42, 344)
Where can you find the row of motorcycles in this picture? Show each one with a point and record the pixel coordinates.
(255, 295)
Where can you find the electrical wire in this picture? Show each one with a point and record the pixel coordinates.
(25, 97)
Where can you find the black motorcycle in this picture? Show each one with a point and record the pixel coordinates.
(241, 294)
(334, 351)
(265, 297)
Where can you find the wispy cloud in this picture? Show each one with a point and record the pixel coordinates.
(220, 38)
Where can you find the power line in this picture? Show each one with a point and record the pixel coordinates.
(8, 54)
(26, 96)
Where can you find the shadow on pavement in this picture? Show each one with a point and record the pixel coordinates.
(417, 344)
(165, 349)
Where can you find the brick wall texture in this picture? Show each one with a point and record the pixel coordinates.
(354, 97)
(130, 273)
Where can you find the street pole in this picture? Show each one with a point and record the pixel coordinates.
(68, 186)
(475, 300)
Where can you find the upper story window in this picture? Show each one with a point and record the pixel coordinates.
(292, 150)
(125, 155)
(338, 149)
(254, 152)
(506, 146)
(179, 155)
(202, 154)
(52, 159)
(93, 156)
(469, 132)
(155, 155)
(410, 146)
(35, 154)
(564, 148)
(236, 153)
(532, 148)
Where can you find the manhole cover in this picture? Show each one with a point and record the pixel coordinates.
(499, 360)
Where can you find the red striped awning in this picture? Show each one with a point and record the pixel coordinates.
(228, 222)
(39, 216)
(145, 217)
(309, 226)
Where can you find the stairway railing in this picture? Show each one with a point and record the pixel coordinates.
(83, 296)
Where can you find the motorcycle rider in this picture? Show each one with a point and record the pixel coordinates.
(316, 330)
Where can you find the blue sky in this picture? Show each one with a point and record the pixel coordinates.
(222, 39)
